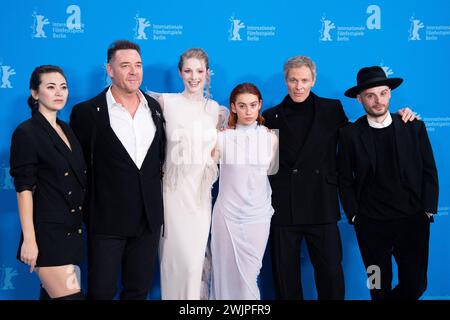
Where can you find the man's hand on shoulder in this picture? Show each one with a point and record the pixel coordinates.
(408, 115)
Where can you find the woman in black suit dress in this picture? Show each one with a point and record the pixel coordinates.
(50, 179)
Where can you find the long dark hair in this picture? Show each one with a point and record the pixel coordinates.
(240, 89)
(35, 82)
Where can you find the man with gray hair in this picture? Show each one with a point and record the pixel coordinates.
(305, 189)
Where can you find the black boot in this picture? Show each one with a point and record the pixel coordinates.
(75, 296)
(43, 295)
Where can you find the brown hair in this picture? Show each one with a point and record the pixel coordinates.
(121, 45)
(240, 89)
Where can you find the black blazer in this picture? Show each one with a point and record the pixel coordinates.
(119, 194)
(41, 162)
(415, 156)
(306, 192)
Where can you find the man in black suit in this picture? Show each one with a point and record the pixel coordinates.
(389, 188)
(122, 134)
(305, 189)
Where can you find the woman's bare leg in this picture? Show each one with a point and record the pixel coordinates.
(59, 281)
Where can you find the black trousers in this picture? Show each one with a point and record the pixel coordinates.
(407, 240)
(325, 250)
(134, 256)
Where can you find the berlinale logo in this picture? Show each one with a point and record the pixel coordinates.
(327, 26)
(72, 24)
(7, 71)
(6, 276)
(414, 28)
(236, 26)
(349, 32)
(141, 25)
(38, 26)
(6, 182)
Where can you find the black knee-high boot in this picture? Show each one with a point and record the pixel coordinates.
(43, 295)
(75, 296)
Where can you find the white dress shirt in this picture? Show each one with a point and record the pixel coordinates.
(386, 123)
(136, 134)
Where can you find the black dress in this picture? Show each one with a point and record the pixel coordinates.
(42, 163)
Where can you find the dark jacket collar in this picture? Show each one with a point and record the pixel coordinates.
(74, 157)
(100, 106)
(401, 140)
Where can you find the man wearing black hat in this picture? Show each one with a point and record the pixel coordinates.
(305, 188)
(388, 185)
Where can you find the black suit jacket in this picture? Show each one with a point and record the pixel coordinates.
(306, 192)
(41, 162)
(120, 194)
(415, 156)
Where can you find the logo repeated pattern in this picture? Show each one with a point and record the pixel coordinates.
(432, 32)
(159, 32)
(247, 30)
(253, 33)
(349, 32)
(7, 72)
(43, 28)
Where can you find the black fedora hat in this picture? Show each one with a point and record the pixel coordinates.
(369, 77)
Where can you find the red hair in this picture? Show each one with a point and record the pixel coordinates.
(241, 89)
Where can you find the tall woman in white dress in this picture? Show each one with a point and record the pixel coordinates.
(189, 173)
(243, 210)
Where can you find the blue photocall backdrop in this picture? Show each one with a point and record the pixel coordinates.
(246, 41)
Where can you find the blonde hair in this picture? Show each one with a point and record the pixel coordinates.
(199, 54)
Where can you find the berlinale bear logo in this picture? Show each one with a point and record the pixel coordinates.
(73, 22)
(7, 71)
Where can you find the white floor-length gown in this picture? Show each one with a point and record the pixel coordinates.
(242, 212)
(189, 173)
